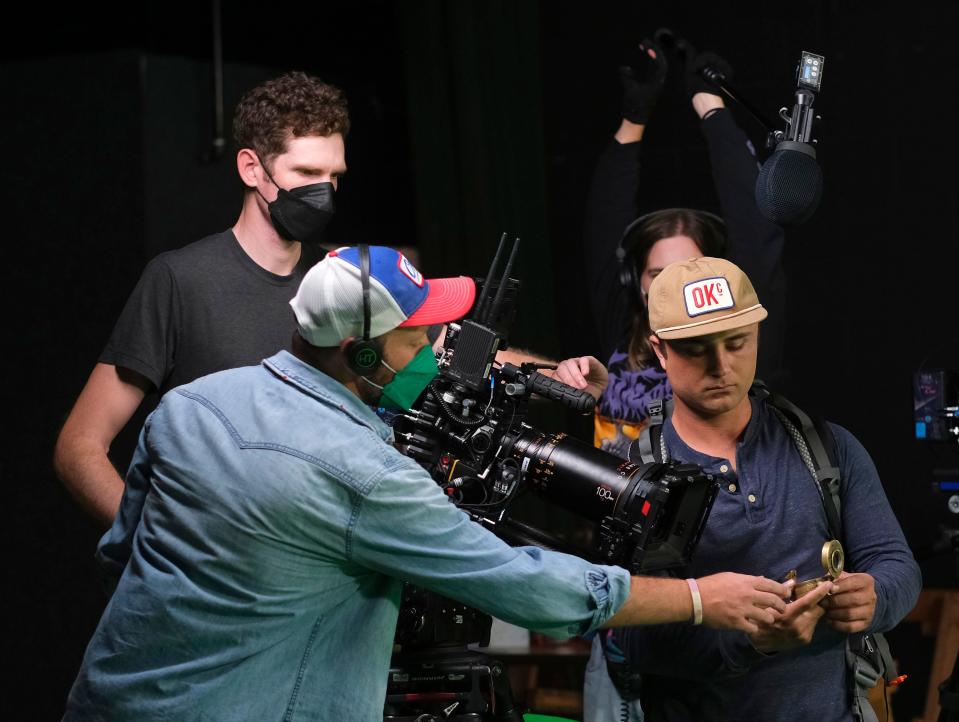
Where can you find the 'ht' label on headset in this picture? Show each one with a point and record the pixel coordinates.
(707, 295)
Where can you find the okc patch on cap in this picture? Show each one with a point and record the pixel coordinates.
(409, 270)
(707, 295)
(695, 298)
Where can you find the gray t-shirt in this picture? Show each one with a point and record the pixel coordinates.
(205, 308)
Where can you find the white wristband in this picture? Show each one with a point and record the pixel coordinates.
(697, 601)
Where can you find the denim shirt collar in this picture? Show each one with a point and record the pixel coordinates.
(313, 382)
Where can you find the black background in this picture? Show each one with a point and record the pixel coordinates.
(468, 119)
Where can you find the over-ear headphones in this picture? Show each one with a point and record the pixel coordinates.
(364, 355)
(629, 275)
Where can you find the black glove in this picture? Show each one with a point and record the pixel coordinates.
(695, 82)
(643, 83)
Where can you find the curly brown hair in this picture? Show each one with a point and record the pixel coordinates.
(295, 104)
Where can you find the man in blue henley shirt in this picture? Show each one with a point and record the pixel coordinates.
(267, 523)
(768, 519)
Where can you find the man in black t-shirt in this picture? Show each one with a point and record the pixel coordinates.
(221, 302)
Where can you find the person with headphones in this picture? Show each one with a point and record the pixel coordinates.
(625, 253)
(268, 523)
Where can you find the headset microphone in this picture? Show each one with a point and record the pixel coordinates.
(364, 355)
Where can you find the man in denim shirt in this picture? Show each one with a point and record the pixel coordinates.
(268, 521)
(767, 519)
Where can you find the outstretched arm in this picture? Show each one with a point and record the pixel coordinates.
(407, 528)
(728, 601)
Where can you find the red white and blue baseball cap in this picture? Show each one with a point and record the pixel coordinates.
(329, 302)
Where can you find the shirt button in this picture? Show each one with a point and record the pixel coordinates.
(732, 488)
(752, 498)
(724, 468)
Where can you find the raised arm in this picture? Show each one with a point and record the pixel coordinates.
(753, 243)
(611, 202)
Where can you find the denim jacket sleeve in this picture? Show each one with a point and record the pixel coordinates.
(116, 545)
(407, 528)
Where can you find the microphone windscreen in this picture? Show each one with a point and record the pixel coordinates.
(789, 186)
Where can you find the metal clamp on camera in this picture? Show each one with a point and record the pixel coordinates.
(468, 430)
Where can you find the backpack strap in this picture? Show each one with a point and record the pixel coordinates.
(817, 447)
(868, 659)
(759, 389)
(650, 446)
(867, 655)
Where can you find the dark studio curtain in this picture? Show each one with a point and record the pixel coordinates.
(474, 94)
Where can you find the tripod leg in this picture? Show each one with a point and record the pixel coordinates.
(503, 695)
(944, 653)
(949, 695)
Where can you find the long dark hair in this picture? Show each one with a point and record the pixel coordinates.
(705, 230)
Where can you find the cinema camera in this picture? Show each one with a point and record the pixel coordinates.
(468, 430)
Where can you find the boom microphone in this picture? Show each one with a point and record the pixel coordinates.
(789, 186)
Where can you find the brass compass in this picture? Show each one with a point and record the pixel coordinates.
(832, 558)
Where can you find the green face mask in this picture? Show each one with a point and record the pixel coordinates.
(408, 383)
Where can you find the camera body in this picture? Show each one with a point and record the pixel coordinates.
(478, 447)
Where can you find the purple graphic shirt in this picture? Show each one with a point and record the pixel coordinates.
(623, 409)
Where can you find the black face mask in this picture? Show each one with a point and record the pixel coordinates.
(302, 213)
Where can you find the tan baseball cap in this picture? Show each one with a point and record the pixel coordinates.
(702, 296)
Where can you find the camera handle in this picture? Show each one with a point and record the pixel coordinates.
(525, 380)
(575, 399)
